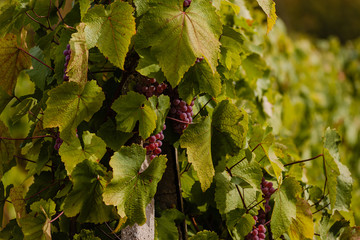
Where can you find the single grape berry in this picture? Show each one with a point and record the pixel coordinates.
(186, 3)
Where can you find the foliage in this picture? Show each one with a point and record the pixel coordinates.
(80, 125)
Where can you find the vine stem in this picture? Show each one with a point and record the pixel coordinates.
(57, 217)
(112, 231)
(244, 157)
(203, 107)
(35, 58)
(28, 160)
(192, 218)
(47, 28)
(177, 120)
(238, 190)
(321, 209)
(255, 205)
(306, 160)
(35, 137)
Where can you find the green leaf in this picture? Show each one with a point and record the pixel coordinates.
(161, 106)
(285, 207)
(5, 98)
(197, 140)
(149, 65)
(39, 73)
(239, 224)
(132, 189)
(332, 172)
(37, 225)
(41, 161)
(254, 66)
(78, 64)
(12, 231)
(7, 150)
(84, 6)
(230, 127)
(141, 6)
(85, 234)
(205, 235)
(302, 227)
(12, 17)
(110, 30)
(276, 164)
(17, 199)
(85, 199)
(131, 108)
(232, 45)
(249, 172)
(199, 79)
(339, 177)
(73, 153)
(268, 6)
(69, 104)
(113, 138)
(13, 62)
(177, 43)
(166, 224)
(23, 108)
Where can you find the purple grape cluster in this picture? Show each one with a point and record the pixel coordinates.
(153, 144)
(258, 232)
(149, 87)
(199, 60)
(183, 112)
(186, 3)
(67, 53)
(267, 190)
(58, 143)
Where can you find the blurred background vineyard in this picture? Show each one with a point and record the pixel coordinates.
(314, 57)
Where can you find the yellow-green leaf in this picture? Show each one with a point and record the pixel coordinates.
(268, 6)
(13, 61)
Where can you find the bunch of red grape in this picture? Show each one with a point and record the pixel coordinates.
(181, 111)
(153, 144)
(67, 53)
(199, 60)
(149, 87)
(186, 3)
(258, 232)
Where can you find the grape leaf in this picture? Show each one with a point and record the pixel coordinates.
(69, 104)
(230, 127)
(36, 225)
(85, 199)
(23, 108)
(249, 172)
(339, 177)
(131, 108)
(227, 197)
(149, 66)
(84, 6)
(199, 79)
(13, 62)
(268, 6)
(113, 138)
(78, 64)
(86, 234)
(239, 224)
(7, 150)
(5, 98)
(161, 106)
(232, 45)
(17, 198)
(141, 6)
(166, 224)
(130, 189)
(41, 161)
(110, 30)
(178, 37)
(39, 72)
(73, 153)
(197, 140)
(302, 227)
(285, 206)
(205, 235)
